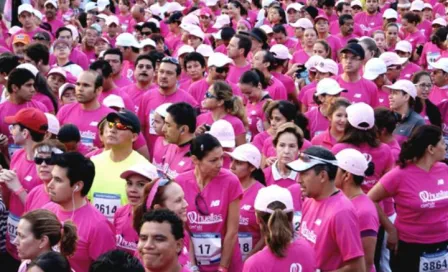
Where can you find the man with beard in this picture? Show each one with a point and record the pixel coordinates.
(167, 92)
(51, 10)
(87, 112)
(371, 18)
(346, 24)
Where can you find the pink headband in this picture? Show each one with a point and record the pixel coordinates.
(152, 194)
(244, 22)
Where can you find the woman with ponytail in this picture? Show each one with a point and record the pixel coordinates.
(39, 231)
(423, 105)
(245, 165)
(222, 104)
(274, 210)
(419, 187)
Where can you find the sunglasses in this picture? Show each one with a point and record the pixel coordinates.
(308, 158)
(146, 33)
(221, 70)
(424, 85)
(209, 95)
(170, 60)
(201, 205)
(39, 38)
(119, 126)
(39, 161)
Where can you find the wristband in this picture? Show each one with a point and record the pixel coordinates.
(222, 269)
(19, 191)
(194, 268)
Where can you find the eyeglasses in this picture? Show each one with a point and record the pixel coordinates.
(424, 85)
(39, 161)
(221, 70)
(308, 158)
(170, 60)
(210, 95)
(61, 47)
(201, 205)
(119, 126)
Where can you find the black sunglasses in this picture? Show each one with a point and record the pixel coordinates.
(39, 161)
(221, 70)
(146, 33)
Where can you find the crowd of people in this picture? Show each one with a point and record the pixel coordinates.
(230, 136)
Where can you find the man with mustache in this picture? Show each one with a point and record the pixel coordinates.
(346, 25)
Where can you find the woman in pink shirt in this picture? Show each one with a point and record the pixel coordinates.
(161, 145)
(124, 16)
(434, 49)
(337, 117)
(39, 231)
(418, 239)
(309, 39)
(414, 35)
(245, 165)
(214, 195)
(391, 31)
(236, 12)
(386, 122)
(423, 105)
(353, 167)
(274, 209)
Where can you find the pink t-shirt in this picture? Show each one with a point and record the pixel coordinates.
(158, 158)
(383, 98)
(368, 22)
(421, 206)
(135, 93)
(173, 41)
(248, 230)
(430, 54)
(258, 140)
(86, 121)
(177, 160)
(438, 94)
(273, 176)
(335, 44)
(345, 39)
(237, 124)
(287, 81)
(416, 39)
(44, 100)
(255, 117)
(299, 256)
(305, 89)
(276, 89)
(324, 139)
(300, 57)
(408, 70)
(122, 82)
(235, 73)
(362, 90)
(96, 235)
(331, 226)
(55, 25)
(127, 237)
(36, 198)
(381, 157)
(317, 122)
(148, 104)
(210, 230)
(199, 88)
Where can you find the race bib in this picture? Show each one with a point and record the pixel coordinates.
(260, 126)
(445, 138)
(13, 222)
(207, 248)
(296, 220)
(13, 148)
(151, 123)
(434, 262)
(245, 241)
(87, 141)
(107, 204)
(432, 57)
(248, 136)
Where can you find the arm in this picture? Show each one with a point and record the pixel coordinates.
(369, 244)
(259, 246)
(231, 237)
(144, 151)
(10, 180)
(354, 265)
(240, 139)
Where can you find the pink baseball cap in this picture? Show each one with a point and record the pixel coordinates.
(270, 194)
(58, 70)
(247, 153)
(328, 66)
(359, 115)
(303, 23)
(280, 52)
(352, 161)
(391, 58)
(321, 17)
(404, 85)
(146, 170)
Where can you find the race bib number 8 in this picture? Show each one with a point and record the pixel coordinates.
(436, 262)
(245, 241)
(107, 204)
(207, 248)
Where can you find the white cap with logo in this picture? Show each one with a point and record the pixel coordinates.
(53, 123)
(270, 194)
(146, 170)
(113, 100)
(391, 58)
(403, 46)
(280, 52)
(223, 131)
(441, 64)
(328, 66)
(247, 153)
(352, 161)
(328, 86)
(219, 60)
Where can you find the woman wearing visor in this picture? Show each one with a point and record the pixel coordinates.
(329, 223)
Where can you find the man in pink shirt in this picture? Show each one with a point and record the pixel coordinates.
(76, 55)
(115, 58)
(343, 8)
(329, 221)
(88, 43)
(38, 55)
(238, 49)
(73, 176)
(27, 19)
(264, 61)
(439, 76)
(359, 89)
(130, 48)
(346, 25)
(371, 18)
(51, 10)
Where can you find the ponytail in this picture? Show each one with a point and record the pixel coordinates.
(69, 239)
(258, 175)
(232, 104)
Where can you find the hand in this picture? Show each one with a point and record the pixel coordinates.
(270, 161)
(200, 130)
(3, 140)
(9, 178)
(392, 240)
(293, 69)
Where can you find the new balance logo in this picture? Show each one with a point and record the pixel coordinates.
(246, 207)
(215, 203)
(440, 182)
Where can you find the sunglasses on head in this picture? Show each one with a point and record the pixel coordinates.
(308, 158)
(221, 70)
(210, 95)
(119, 126)
(39, 161)
(170, 60)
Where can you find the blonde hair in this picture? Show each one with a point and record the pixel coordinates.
(232, 104)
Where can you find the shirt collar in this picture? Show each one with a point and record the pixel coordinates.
(276, 175)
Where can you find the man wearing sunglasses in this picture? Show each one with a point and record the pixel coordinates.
(107, 192)
(394, 65)
(329, 221)
(28, 128)
(167, 92)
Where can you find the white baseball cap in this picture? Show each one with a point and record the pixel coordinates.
(270, 194)
(441, 64)
(219, 60)
(303, 23)
(147, 170)
(174, 6)
(147, 42)
(185, 49)
(190, 19)
(90, 6)
(13, 30)
(328, 66)
(205, 50)
(112, 19)
(280, 52)
(102, 4)
(355, 3)
(391, 58)
(223, 131)
(404, 85)
(359, 113)
(221, 21)
(374, 68)
(58, 70)
(30, 67)
(428, 6)
(38, 14)
(439, 21)
(267, 3)
(403, 46)
(313, 61)
(267, 29)
(197, 32)
(328, 86)
(64, 88)
(53, 123)
(54, 3)
(217, 35)
(417, 5)
(390, 14)
(113, 100)
(128, 40)
(155, 10)
(352, 161)
(161, 110)
(74, 30)
(247, 153)
(211, 3)
(307, 161)
(25, 7)
(294, 6)
(103, 16)
(404, 5)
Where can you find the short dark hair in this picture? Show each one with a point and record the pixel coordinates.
(344, 18)
(104, 66)
(116, 261)
(279, 28)
(69, 133)
(63, 28)
(183, 114)
(328, 3)
(79, 168)
(340, 6)
(323, 153)
(244, 42)
(8, 61)
(114, 51)
(51, 261)
(269, 58)
(38, 52)
(227, 33)
(19, 77)
(194, 56)
(35, 136)
(253, 77)
(146, 57)
(386, 119)
(162, 216)
(412, 17)
(173, 61)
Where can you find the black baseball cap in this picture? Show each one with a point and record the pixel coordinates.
(355, 49)
(127, 118)
(175, 17)
(259, 35)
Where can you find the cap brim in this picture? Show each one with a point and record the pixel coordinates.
(300, 166)
(236, 156)
(370, 76)
(10, 120)
(228, 144)
(128, 173)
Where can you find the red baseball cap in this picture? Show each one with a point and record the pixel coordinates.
(31, 118)
(321, 17)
